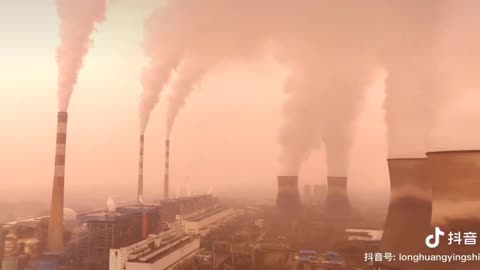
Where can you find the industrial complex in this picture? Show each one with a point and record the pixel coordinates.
(412, 67)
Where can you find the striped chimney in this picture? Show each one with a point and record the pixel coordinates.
(409, 211)
(337, 197)
(288, 199)
(455, 178)
(145, 224)
(55, 224)
(140, 170)
(167, 168)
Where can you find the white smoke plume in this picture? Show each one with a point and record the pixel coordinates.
(333, 63)
(457, 110)
(309, 36)
(111, 207)
(201, 35)
(411, 61)
(77, 22)
(164, 55)
(191, 71)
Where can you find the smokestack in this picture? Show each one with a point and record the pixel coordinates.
(140, 170)
(55, 223)
(337, 197)
(410, 209)
(167, 168)
(145, 224)
(455, 178)
(288, 199)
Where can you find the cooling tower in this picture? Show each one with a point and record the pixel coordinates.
(455, 178)
(288, 199)
(55, 223)
(140, 170)
(409, 211)
(337, 198)
(167, 168)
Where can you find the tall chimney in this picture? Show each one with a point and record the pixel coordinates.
(288, 199)
(55, 223)
(337, 198)
(145, 225)
(167, 168)
(409, 211)
(455, 178)
(140, 170)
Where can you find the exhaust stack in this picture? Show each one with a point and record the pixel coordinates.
(337, 197)
(55, 224)
(167, 168)
(288, 199)
(410, 208)
(455, 178)
(140, 170)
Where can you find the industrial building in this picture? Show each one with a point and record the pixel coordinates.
(200, 224)
(89, 237)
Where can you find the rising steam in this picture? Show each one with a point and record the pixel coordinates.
(412, 79)
(164, 55)
(332, 67)
(212, 32)
(77, 22)
(191, 71)
(111, 206)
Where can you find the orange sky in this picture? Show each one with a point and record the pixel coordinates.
(225, 137)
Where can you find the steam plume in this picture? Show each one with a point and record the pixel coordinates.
(77, 22)
(164, 56)
(111, 206)
(459, 42)
(202, 35)
(412, 80)
(332, 66)
(219, 31)
(191, 71)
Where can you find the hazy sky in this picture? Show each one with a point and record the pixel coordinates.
(225, 137)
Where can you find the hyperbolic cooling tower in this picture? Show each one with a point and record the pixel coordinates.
(167, 168)
(288, 199)
(455, 178)
(337, 197)
(140, 170)
(410, 209)
(55, 223)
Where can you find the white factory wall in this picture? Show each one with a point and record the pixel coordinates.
(194, 227)
(170, 260)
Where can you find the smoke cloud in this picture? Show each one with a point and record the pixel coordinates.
(164, 55)
(409, 55)
(191, 71)
(332, 66)
(212, 33)
(111, 206)
(325, 44)
(77, 22)
(457, 115)
(208, 32)
(430, 51)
